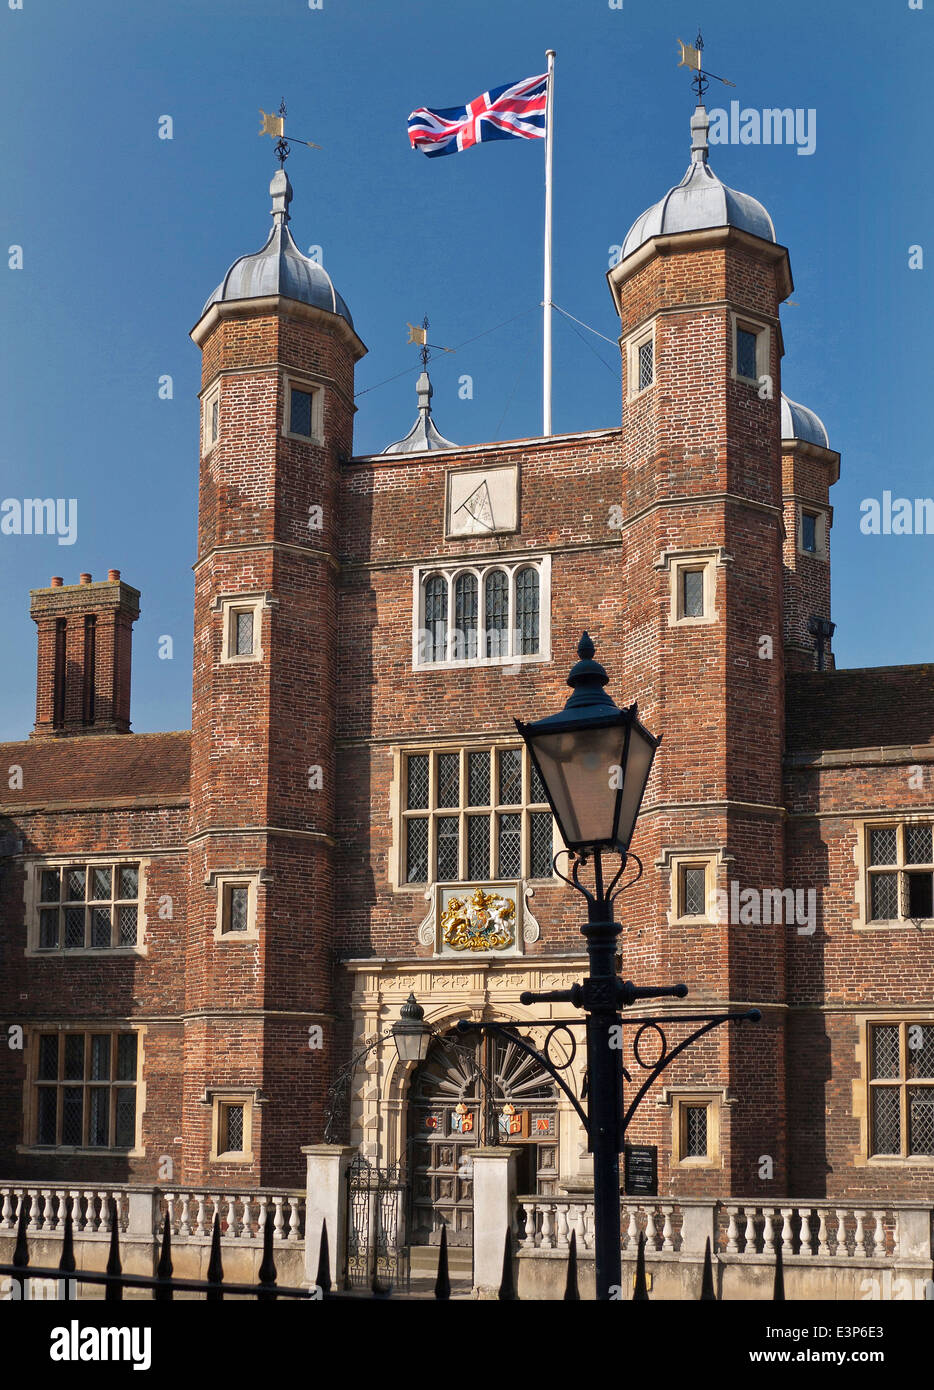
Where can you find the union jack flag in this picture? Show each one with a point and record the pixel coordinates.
(515, 111)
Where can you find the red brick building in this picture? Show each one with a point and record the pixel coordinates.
(199, 930)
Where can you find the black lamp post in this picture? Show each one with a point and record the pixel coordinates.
(594, 761)
(410, 1033)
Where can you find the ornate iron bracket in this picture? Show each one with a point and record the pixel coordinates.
(666, 1056)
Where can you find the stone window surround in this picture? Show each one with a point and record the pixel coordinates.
(631, 345)
(678, 1098)
(862, 921)
(298, 382)
(707, 558)
(763, 331)
(673, 860)
(860, 1105)
(218, 881)
(30, 1086)
(228, 605)
(218, 1097)
(210, 396)
(822, 517)
(397, 793)
(34, 867)
(511, 564)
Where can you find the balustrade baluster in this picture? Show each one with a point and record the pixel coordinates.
(806, 1236)
(547, 1227)
(823, 1244)
(768, 1235)
(200, 1214)
(787, 1236)
(6, 1215)
(278, 1221)
(841, 1251)
(859, 1239)
(667, 1242)
(732, 1232)
(751, 1245)
(528, 1242)
(294, 1221)
(878, 1235)
(184, 1216)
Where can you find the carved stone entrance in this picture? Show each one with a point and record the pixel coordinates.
(464, 1088)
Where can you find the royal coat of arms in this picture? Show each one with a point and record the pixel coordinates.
(481, 922)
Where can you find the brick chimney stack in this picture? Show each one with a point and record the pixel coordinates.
(85, 641)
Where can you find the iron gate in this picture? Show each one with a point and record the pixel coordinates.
(376, 1258)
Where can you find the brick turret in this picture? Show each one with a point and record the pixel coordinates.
(278, 353)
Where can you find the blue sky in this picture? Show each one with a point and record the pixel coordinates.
(125, 235)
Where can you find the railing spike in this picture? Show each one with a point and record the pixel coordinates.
(67, 1263)
(708, 1293)
(164, 1271)
(443, 1281)
(507, 1288)
(571, 1290)
(778, 1289)
(21, 1253)
(267, 1270)
(215, 1267)
(640, 1293)
(113, 1292)
(323, 1277)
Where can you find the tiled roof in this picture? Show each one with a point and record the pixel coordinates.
(872, 707)
(97, 768)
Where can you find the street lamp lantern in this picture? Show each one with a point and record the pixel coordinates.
(410, 1033)
(594, 761)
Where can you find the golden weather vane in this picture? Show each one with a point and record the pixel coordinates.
(418, 334)
(274, 125)
(692, 57)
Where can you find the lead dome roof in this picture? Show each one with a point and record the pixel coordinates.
(699, 200)
(279, 267)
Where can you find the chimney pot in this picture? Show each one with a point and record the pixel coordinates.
(56, 581)
(84, 579)
(113, 576)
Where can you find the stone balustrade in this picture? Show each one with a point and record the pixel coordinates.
(47, 1205)
(142, 1211)
(548, 1223)
(814, 1230)
(243, 1215)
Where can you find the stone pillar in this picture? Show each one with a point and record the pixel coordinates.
(494, 1212)
(698, 1225)
(326, 1202)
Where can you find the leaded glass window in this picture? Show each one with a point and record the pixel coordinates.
(243, 633)
(510, 845)
(693, 891)
(900, 872)
(79, 906)
(436, 617)
(527, 610)
(300, 412)
(233, 1127)
(448, 765)
(466, 608)
(478, 779)
(466, 817)
(496, 598)
(646, 364)
(746, 354)
(541, 849)
(238, 905)
(448, 836)
(79, 1104)
(692, 593)
(478, 847)
(416, 865)
(901, 1089)
(417, 781)
(695, 1131)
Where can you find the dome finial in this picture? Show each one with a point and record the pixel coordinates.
(281, 191)
(700, 124)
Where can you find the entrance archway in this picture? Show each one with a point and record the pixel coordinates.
(446, 1120)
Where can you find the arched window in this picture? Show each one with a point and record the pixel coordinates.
(465, 617)
(436, 618)
(527, 610)
(496, 599)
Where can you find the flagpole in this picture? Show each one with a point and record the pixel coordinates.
(546, 298)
